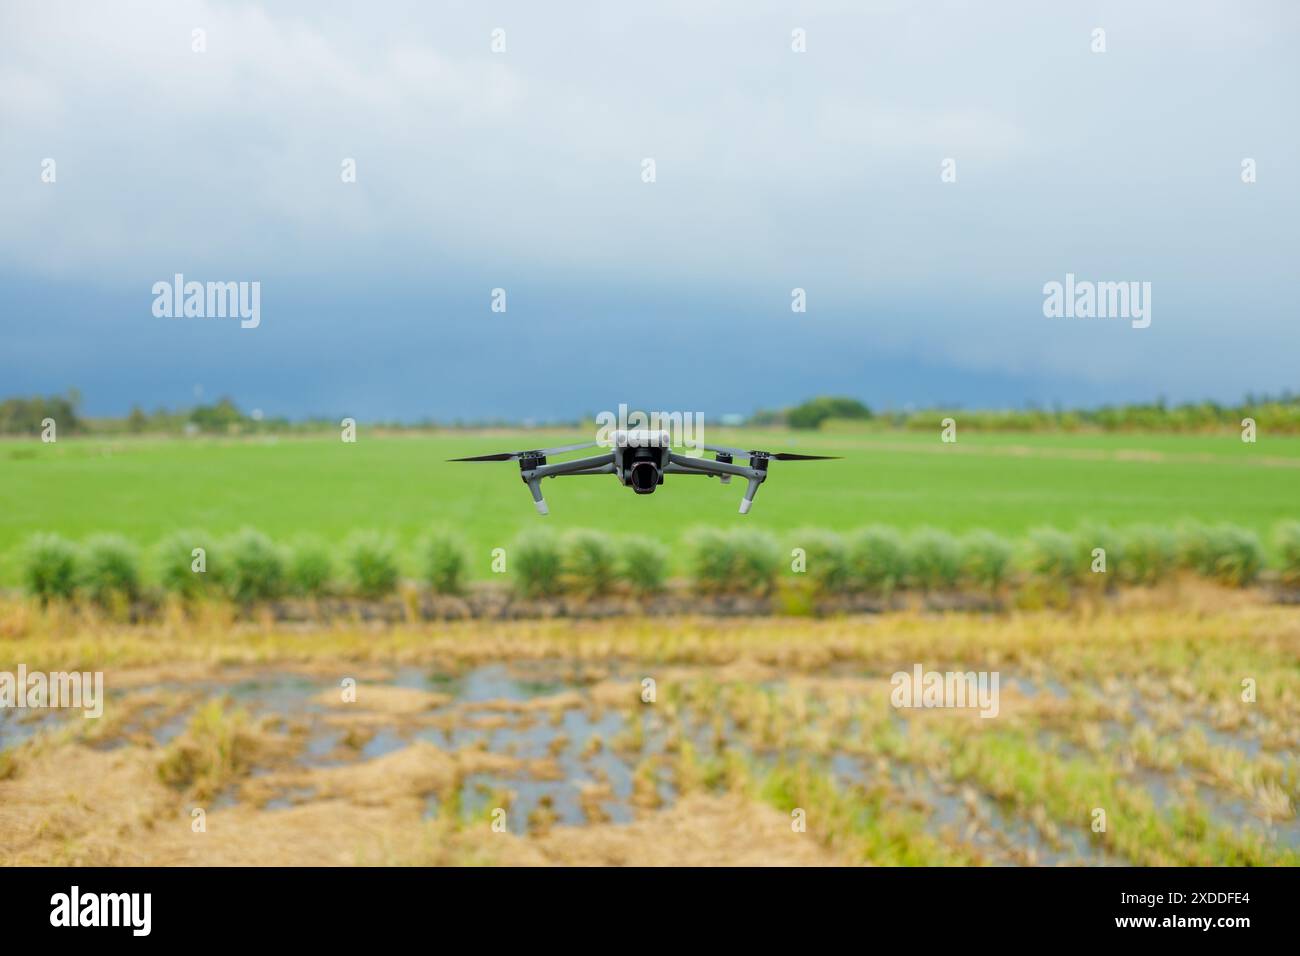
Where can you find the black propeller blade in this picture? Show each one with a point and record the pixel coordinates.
(775, 456)
(531, 453)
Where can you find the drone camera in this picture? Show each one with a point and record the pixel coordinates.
(644, 475)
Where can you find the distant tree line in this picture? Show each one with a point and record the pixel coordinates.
(23, 416)
(1280, 414)
(1277, 414)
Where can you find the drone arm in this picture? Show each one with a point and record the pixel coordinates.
(680, 464)
(596, 465)
(705, 466)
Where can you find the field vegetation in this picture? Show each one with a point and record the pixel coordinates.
(144, 489)
(1140, 712)
(249, 567)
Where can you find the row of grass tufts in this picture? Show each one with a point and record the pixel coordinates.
(249, 567)
(246, 567)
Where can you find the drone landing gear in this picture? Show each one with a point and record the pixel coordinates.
(535, 486)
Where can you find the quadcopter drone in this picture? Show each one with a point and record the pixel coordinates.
(641, 458)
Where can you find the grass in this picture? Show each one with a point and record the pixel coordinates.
(217, 747)
(310, 567)
(110, 569)
(537, 563)
(49, 567)
(146, 488)
(445, 562)
(1137, 713)
(643, 564)
(370, 559)
(252, 567)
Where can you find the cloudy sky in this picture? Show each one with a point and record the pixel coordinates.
(522, 170)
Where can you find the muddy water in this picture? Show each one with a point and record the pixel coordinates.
(577, 756)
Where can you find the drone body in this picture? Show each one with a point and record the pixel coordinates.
(641, 458)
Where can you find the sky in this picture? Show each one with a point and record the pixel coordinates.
(523, 169)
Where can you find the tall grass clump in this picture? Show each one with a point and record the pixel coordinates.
(444, 562)
(370, 559)
(590, 561)
(1087, 541)
(253, 567)
(742, 560)
(109, 570)
(219, 745)
(826, 559)
(311, 567)
(877, 560)
(1286, 536)
(1150, 555)
(643, 564)
(538, 564)
(49, 567)
(179, 569)
(1192, 546)
(934, 560)
(1051, 557)
(757, 556)
(711, 560)
(986, 560)
(1234, 556)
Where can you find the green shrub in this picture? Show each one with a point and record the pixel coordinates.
(757, 560)
(590, 561)
(1088, 539)
(49, 564)
(1235, 555)
(175, 561)
(445, 561)
(109, 569)
(986, 560)
(1192, 546)
(643, 564)
(311, 567)
(1287, 537)
(827, 559)
(252, 567)
(1052, 557)
(371, 562)
(1150, 554)
(934, 560)
(877, 560)
(538, 564)
(711, 558)
(742, 560)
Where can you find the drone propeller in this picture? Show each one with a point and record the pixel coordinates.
(531, 453)
(773, 455)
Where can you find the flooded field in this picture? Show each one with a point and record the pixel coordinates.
(677, 741)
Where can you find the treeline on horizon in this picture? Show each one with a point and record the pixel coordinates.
(1276, 414)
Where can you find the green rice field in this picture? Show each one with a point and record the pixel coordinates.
(401, 483)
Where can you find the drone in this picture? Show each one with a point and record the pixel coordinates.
(641, 458)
